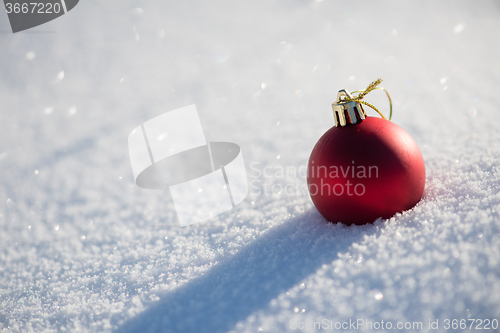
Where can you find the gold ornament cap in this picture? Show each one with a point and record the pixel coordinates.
(346, 110)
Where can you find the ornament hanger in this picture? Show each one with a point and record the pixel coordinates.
(348, 109)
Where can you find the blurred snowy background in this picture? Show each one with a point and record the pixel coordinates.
(84, 249)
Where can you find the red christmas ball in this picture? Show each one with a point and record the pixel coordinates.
(366, 170)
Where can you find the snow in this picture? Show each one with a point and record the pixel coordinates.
(83, 249)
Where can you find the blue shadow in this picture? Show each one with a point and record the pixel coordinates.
(248, 281)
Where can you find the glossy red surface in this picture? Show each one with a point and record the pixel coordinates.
(361, 172)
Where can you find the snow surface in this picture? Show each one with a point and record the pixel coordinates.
(84, 249)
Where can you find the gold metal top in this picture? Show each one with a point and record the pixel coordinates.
(346, 110)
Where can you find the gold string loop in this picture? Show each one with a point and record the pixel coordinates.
(362, 93)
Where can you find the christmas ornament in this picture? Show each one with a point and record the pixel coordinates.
(364, 167)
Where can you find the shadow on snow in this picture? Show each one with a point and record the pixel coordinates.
(248, 281)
